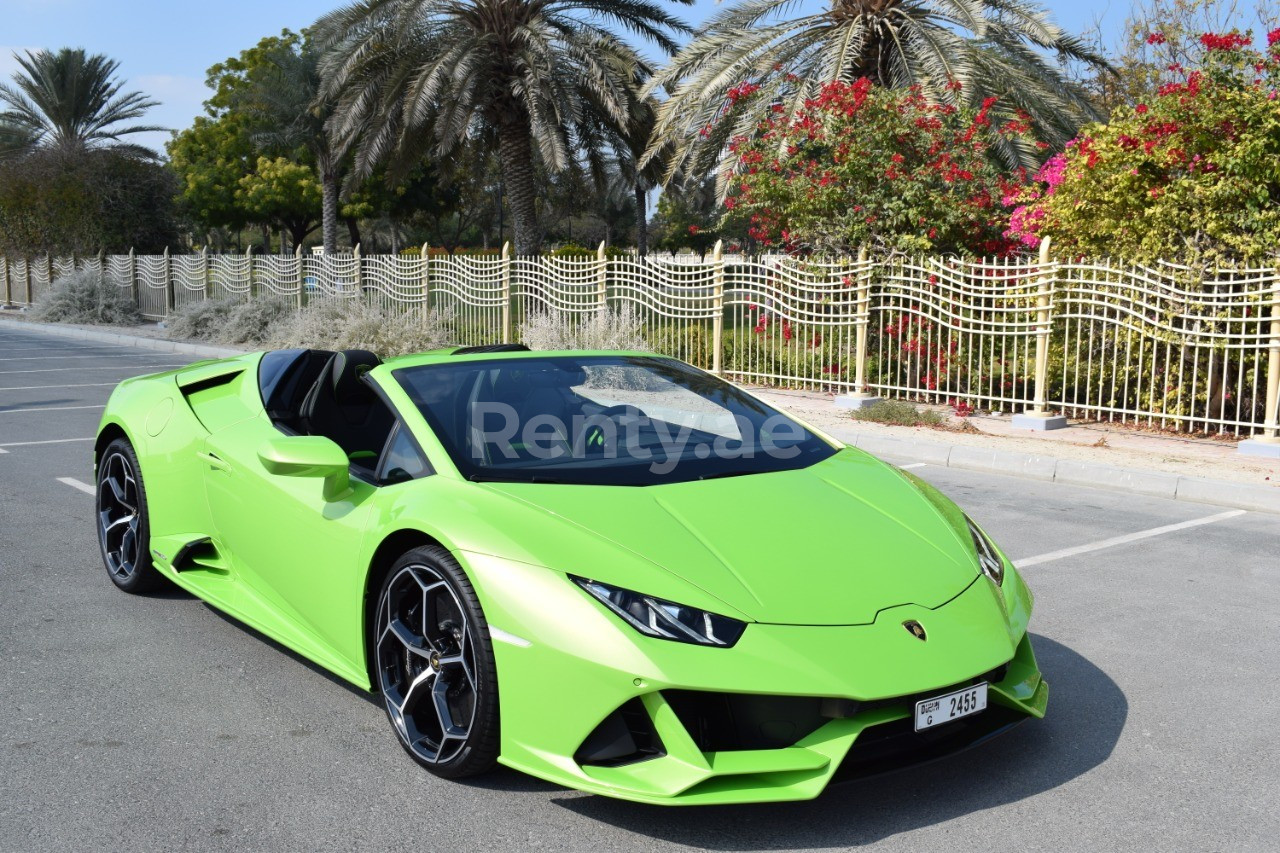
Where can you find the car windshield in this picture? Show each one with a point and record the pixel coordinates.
(602, 420)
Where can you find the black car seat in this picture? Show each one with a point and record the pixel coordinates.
(342, 407)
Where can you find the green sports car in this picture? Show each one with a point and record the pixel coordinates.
(609, 570)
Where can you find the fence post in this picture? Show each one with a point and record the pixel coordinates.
(602, 276)
(204, 273)
(860, 397)
(102, 268)
(1038, 416)
(133, 279)
(717, 307)
(170, 298)
(248, 256)
(1268, 443)
(26, 268)
(359, 271)
(297, 262)
(506, 292)
(426, 283)
(8, 288)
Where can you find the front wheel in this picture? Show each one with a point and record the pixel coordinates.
(435, 665)
(123, 530)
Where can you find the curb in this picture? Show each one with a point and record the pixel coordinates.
(158, 344)
(1070, 471)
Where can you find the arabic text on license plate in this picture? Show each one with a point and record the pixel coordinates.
(952, 706)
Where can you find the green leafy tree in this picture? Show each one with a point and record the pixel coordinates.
(860, 164)
(274, 88)
(71, 101)
(209, 159)
(523, 77)
(987, 47)
(1191, 173)
(283, 192)
(688, 218)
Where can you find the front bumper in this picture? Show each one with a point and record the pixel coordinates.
(574, 667)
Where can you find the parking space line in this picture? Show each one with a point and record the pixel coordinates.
(76, 484)
(2, 450)
(46, 441)
(47, 409)
(913, 465)
(65, 357)
(102, 367)
(43, 387)
(1127, 538)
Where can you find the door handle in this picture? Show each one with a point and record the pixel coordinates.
(214, 461)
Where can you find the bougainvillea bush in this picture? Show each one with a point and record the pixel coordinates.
(866, 165)
(1192, 173)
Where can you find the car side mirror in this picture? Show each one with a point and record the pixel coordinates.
(308, 456)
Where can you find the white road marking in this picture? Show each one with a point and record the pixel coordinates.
(64, 357)
(103, 367)
(2, 450)
(913, 465)
(47, 441)
(1127, 538)
(76, 484)
(42, 387)
(48, 409)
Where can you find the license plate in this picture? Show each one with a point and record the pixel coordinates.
(952, 706)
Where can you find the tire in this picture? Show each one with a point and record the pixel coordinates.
(437, 667)
(124, 531)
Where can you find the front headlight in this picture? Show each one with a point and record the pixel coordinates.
(666, 620)
(988, 557)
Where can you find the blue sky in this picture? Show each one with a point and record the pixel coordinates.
(164, 48)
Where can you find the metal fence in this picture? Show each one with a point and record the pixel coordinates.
(1177, 347)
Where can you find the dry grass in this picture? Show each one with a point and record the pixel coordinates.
(86, 297)
(616, 329)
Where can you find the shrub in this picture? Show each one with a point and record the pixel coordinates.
(899, 413)
(204, 320)
(1191, 170)
(252, 322)
(604, 329)
(344, 323)
(861, 164)
(85, 296)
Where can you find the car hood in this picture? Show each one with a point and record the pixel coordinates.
(831, 544)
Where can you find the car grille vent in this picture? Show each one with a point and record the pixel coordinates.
(624, 737)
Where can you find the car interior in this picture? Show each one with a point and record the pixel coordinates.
(318, 392)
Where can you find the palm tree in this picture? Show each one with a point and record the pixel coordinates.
(525, 77)
(989, 47)
(71, 101)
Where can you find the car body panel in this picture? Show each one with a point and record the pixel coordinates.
(824, 563)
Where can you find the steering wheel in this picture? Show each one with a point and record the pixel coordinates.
(594, 436)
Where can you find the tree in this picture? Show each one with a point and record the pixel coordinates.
(523, 77)
(1191, 173)
(863, 165)
(209, 159)
(989, 47)
(688, 217)
(97, 200)
(283, 192)
(71, 101)
(274, 88)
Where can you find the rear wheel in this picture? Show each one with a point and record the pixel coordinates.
(435, 665)
(123, 531)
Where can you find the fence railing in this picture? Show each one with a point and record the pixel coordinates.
(1166, 345)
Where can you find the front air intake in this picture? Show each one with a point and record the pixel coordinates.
(624, 737)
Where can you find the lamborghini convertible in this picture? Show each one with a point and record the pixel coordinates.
(609, 570)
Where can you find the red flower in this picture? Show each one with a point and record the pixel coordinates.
(1156, 38)
(1273, 37)
(1230, 41)
(1141, 109)
(694, 229)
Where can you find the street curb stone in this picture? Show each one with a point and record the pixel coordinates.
(158, 344)
(1070, 471)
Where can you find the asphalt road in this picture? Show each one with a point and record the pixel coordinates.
(155, 723)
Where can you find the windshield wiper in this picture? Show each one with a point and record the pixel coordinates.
(722, 474)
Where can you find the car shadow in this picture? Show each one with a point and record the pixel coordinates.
(1087, 712)
(290, 653)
